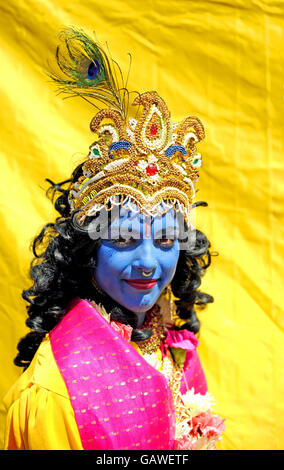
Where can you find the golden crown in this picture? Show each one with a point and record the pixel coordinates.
(148, 163)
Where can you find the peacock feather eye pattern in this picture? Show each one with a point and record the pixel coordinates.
(85, 70)
(93, 70)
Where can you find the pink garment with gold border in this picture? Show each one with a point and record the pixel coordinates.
(120, 402)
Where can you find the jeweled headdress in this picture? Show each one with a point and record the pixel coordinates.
(146, 161)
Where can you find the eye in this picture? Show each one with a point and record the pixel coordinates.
(123, 242)
(165, 242)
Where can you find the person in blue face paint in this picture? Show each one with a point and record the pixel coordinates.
(124, 272)
(110, 361)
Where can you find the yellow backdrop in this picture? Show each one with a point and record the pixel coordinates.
(222, 61)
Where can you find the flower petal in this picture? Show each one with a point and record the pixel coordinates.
(182, 339)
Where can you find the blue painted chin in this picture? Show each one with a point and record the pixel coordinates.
(140, 300)
(134, 271)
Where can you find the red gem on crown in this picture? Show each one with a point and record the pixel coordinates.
(153, 129)
(151, 169)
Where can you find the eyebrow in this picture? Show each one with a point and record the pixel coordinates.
(166, 231)
(117, 231)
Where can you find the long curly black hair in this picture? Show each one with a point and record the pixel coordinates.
(65, 257)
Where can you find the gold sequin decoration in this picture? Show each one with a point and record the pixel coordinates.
(104, 177)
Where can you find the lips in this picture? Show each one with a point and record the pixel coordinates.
(142, 283)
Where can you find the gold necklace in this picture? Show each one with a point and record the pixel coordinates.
(170, 369)
(154, 321)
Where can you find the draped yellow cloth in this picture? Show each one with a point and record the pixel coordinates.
(40, 415)
(221, 61)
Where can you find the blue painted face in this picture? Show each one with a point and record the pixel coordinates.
(134, 271)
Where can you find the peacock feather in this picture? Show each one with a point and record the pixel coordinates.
(86, 70)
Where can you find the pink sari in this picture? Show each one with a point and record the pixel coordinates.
(120, 402)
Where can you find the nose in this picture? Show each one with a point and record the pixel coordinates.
(145, 259)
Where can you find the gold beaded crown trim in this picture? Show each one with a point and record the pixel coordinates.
(146, 163)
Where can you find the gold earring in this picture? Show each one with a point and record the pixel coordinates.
(97, 287)
(171, 301)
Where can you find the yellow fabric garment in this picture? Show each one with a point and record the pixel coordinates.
(221, 61)
(40, 415)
